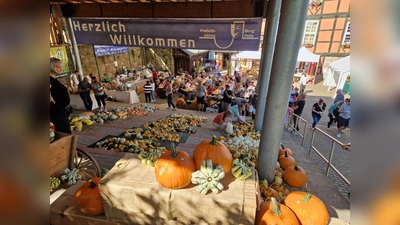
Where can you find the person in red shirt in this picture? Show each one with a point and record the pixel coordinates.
(222, 119)
(155, 76)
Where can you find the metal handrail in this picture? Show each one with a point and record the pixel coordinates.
(303, 136)
(328, 161)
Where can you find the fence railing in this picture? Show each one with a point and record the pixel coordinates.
(328, 161)
(293, 126)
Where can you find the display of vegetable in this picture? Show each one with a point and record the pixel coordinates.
(71, 176)
(54, 183)
(123, 145)
(208, 177)
(174, 169)
(214, 150)
(309, 209)
(88, 199)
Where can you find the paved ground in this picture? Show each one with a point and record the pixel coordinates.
(319, 184)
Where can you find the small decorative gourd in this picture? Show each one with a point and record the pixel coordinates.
(71, 176)
(54, 183)
(240, 170)
(150, 157)
(208, 178)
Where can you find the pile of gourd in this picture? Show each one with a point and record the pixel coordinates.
(78, 121)
(244, 130)
(211, 161)
(176, 123)
(243, 148)
(123, 145)
(152, 134)
(136, 110)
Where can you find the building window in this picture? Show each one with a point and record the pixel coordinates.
(346, 36)
(310, 32)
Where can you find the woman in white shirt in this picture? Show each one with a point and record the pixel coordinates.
(117, 79)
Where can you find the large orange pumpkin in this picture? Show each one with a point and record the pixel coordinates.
(286, 161)
(295, 176)
(278, 215)
(264, 207)
(174, 169)
(88, 199)
(309, 209)
(283, 149)
(214, 150)
(180, 101)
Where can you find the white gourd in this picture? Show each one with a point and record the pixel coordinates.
(208, 178)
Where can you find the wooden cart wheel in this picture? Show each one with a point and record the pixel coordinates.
(87, 165)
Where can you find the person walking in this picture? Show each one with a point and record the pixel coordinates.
(201, 94)
(168, 90)
(344, 116)
(333, 113)
(339, 96)
(303, 82)
(60, 100)
(99, 94)
(298, 107)
(317, 110)
(84, 91)
(147, 91)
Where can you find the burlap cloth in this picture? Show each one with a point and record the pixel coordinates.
(132, 195)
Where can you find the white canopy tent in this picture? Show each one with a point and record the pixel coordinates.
(249, 55)
(337, 73)
(307, 56)
(303, 56)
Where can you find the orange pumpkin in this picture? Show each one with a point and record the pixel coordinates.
(295, 176)
(174, 169)
(278, 215)
(285, 191)
(309, 209)
(264, 207)
(88, 199)
(180, 101)
(286, 160)
(282, 151)
(214, 150)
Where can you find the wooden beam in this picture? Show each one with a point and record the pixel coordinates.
(182, 10)
(127, 10)
(233, 9)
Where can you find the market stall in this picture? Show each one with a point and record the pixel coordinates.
(77, 103)
(124, 96)
(338, 73)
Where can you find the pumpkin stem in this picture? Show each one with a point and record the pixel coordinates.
(296, 168)
(283, 147)
(173, 150)
(307, 197)
(92, 184)
(214, 141)
(286, 155)
(275, 207)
